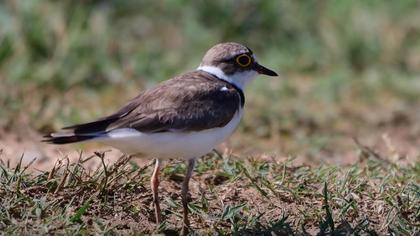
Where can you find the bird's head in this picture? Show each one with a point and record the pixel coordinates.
(234, 63)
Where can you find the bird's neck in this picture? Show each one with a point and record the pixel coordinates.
(239, 79)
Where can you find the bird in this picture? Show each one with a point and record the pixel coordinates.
(184, 117)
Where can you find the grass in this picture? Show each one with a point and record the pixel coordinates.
(84, 53)
(69, 61)
(230, 195)
(350, 71)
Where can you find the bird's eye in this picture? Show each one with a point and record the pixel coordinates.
(243, 60)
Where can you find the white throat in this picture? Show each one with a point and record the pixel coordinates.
(240, 79)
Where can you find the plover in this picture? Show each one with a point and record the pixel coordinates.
(183, 117)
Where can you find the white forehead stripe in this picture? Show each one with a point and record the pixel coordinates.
(244, 51)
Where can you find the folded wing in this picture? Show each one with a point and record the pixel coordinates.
(190, 102)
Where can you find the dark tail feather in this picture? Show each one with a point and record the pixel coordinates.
(91, 127)
(64, 139)
(80, 132)
(88, 131)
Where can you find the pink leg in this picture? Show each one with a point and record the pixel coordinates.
(154, 183)
(185, 183)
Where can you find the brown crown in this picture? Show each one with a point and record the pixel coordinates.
(218, 54)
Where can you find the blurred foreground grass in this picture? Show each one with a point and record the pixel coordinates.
(229, 197)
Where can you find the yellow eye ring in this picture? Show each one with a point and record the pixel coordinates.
(243, 60)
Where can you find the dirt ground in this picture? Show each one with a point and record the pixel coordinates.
(398, 142)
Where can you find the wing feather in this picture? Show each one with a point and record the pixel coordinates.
(190, 102)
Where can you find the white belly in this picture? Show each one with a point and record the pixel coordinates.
(166, 145)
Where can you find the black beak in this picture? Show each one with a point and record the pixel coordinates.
(264, 70)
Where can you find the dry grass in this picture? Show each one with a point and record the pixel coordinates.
(349, 69)
(229, 196)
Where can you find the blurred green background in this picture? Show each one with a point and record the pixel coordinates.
(349, 68)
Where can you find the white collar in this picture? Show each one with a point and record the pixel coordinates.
(240, 79)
